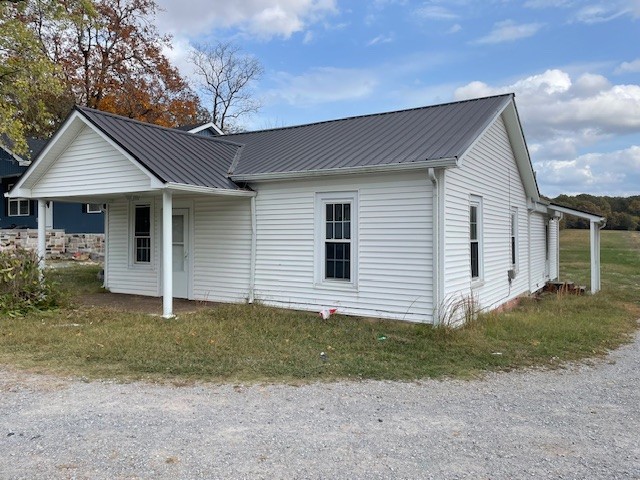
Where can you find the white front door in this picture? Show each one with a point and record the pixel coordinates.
(181, 254)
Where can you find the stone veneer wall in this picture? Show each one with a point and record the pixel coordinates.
(59, 243)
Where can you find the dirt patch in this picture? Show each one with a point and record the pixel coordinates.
(140, 304)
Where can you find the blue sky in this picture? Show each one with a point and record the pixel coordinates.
(574, 66)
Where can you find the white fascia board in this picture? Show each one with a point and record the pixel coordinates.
(181, 187)
(31, 171)
(205, 126)
(395, 167)
(520, 150)
(577, 213)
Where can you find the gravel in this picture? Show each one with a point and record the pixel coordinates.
(579, 422)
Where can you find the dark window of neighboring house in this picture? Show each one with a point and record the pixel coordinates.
(93, 208)
(338, 241)
(142, 234)
(18, 207)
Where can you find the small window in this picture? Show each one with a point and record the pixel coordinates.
(18, 207)
(546, 241)
(514, 238)
(94, 208)
(475, 237)
(336, 230)
(142, 234)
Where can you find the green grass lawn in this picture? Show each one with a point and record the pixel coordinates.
(254, 343)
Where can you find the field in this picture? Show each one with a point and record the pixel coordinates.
(254, 343)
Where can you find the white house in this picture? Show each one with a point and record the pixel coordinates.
(395, 215)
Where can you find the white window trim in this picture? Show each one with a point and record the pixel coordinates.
(513, 231)
(90, 210)
(476, 201)
(321, 200)
(18, 202)
(132, 229)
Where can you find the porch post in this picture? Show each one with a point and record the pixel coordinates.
(595, 256)
(42, 233)
(167, 254)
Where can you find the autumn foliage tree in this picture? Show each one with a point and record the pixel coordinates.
(111, 58)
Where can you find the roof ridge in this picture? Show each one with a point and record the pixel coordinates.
(355, 117)
(153, 125)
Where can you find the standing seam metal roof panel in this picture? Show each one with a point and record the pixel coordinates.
(439, 131)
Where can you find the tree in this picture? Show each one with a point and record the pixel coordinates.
(29, 81)
(226, 77)
(110, 56)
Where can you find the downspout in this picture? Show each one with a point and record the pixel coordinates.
(105, 245)
(435, 206)
(252, 267)
(529, 247)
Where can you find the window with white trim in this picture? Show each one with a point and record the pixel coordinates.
(513, 238)
(475, 237)
(18, 207)
(93, 208)
(336, 231)
(142, 234)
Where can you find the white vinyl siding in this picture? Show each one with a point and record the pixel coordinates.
(222, 238)
(538, 261)
(554, 249)
(121, 276)
(90, 166)
(489, 171)
(394, 246)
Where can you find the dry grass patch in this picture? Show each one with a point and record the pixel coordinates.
(255, 343)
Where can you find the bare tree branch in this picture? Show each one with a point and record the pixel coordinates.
(226, 76)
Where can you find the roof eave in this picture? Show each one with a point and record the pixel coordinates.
(201, 190)
(393, 167)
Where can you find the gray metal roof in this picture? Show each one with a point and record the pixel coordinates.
(420, 134)
(171, 155)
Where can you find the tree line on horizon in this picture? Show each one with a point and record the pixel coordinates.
(622, 213)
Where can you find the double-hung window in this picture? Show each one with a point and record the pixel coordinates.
(142, 221)
(18, 207)
(336, 236)
(475, 237)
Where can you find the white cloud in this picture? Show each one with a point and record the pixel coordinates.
(261, 18)
(607, 11)
(322, 85)
(308, 37)
(380, 39)
(610, 173)
(455, 28)
(564, 117)
(509, 31)
(629, 67)
(436, 12)
(548, 3)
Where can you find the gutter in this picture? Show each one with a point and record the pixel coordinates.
(181, 187)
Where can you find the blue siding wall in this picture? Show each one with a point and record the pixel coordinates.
(68, 216)
(73, 219)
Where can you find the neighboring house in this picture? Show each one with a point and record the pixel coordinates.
(397, 215)
(23, 213)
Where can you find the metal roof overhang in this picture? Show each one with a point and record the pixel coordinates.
(394, 167)
(577, 213)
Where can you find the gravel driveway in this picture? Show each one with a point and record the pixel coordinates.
(581, 422)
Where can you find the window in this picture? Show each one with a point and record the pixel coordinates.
(142, 234)
(336, 227)
(93, 208)
(475, 237)
(18, 207)
(338, 241)
(546, 241)
(514, 238)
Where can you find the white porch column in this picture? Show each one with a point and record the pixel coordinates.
(42, 233)
(167, 254)
(595, 256)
